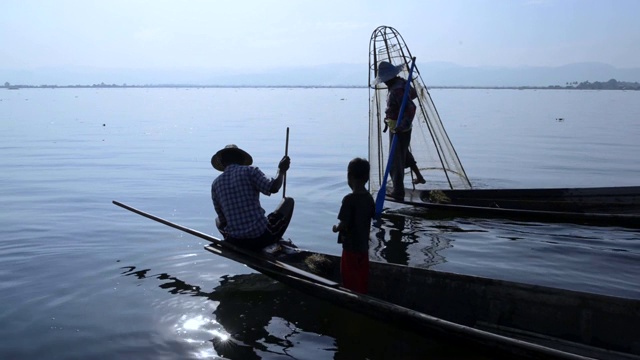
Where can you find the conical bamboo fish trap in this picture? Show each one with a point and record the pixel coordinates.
(430, 144)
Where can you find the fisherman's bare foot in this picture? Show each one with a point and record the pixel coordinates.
(420, 180)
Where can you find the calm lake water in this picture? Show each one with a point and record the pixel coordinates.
(84, 279)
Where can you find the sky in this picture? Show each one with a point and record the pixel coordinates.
(262, 34)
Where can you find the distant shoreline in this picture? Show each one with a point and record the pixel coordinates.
(103, 86)
(612, 84)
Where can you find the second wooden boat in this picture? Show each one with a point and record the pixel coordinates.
(448, 190)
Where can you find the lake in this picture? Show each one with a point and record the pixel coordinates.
(82, 278)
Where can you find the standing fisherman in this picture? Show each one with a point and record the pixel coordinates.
(388, 74)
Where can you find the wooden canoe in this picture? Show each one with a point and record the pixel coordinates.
(527, 321)
(604, 206)
(523, 320)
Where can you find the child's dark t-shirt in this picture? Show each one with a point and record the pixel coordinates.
(356, 213)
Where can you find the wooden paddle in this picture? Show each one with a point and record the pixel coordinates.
(383, 187)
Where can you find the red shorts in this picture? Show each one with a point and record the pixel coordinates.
(354, 267)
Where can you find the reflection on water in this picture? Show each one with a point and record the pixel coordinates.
(259, 318)
(196, 330)
(570, 256)
(406, 240)
(390, 241)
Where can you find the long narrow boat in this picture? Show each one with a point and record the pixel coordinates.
(527, 321)
(448, 190)
(602, 206)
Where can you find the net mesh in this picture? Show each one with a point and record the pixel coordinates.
(430, 144)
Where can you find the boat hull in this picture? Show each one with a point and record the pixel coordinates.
(525, 320)
(612, 206)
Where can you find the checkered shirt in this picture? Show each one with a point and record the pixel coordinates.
(236, 199)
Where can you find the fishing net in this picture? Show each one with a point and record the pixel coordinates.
(430, 144)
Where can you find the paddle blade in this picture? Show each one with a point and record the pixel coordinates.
(380, 202)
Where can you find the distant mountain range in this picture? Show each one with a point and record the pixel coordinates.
(434, 74)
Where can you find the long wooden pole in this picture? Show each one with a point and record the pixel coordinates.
(286, 152)
(238, 254)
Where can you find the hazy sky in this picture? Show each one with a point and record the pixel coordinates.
(221, 34)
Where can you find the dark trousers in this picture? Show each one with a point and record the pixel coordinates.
(399, 162)
(277, 223)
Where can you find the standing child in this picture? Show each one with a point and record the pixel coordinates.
(356, 212)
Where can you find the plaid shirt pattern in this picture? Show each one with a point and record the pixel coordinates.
(236, 199)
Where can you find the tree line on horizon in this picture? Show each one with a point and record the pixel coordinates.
(612, 84)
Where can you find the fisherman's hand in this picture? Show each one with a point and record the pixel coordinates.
(391, 124)
(284, 164)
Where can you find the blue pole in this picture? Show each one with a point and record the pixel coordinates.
(383, 187)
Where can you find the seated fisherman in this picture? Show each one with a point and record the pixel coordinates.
(236, 199)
